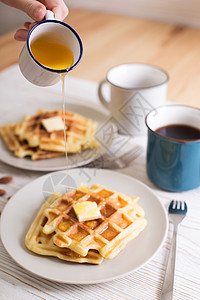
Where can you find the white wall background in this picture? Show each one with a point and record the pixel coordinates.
(180, 12)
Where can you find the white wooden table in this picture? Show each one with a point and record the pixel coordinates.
(146, 283)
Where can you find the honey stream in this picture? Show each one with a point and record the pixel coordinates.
(62, 76)
(55, 56)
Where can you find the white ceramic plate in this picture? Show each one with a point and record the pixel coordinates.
(58, 163)
(23, 206)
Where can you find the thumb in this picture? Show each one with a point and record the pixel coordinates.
(33, 8)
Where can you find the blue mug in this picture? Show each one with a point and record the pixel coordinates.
(173, 164)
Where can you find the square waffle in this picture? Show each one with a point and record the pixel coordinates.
(121, 220)
(79, 132)
(30, 138)
(42, 244)
(21, 148)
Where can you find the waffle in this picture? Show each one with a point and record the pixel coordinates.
(79, 132)
(42, 244)
(121, 220)
(30, 138)
(21, 148)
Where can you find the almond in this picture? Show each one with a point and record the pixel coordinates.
(2, 192)
(5, 180)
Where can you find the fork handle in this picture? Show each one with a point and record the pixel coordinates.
(167, 290)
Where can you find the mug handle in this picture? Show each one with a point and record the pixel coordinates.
(103, 101)
(49, 15)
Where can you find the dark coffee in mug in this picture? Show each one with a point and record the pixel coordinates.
(179, 132)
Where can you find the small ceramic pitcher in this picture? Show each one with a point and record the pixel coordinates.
(62, 33)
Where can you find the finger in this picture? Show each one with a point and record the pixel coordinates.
(58, 7)
(21, 35)
(31, 25)
(27, 24)
(35, 9)
(60, 13)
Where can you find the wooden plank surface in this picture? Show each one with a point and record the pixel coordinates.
(110, 40)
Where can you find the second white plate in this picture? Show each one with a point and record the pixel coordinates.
(59, 163)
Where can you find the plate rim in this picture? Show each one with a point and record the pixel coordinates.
(61, 168)
(166, 223)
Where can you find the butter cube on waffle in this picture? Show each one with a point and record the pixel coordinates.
(121, 220)
(43, 244)
(53, 124)
(87, 211)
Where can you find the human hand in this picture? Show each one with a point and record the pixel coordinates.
(36, 9)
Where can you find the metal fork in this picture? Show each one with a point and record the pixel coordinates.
(177, 211)
(117, 162)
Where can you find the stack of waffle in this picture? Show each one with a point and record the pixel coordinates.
(57, 231)
(30, 138)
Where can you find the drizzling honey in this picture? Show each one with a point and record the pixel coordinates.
(57, 57)
(63, 107)
(62, 76)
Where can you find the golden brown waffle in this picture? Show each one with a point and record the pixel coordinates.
(121, 220)
(41, 243)
(79, 132)
(30, 138)
(21, 148)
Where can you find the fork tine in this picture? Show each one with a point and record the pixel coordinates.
(182, 205)
(173, 204)
(178, 206)
(121, 156)
(127, 154)
(131, 153)
(120, 161)
(185, 206)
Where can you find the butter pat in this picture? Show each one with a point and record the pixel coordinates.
(53, 124)
(87, 211)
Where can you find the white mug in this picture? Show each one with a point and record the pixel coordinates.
(61, 33)
(134, 90)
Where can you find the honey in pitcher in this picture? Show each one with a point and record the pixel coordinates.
(58, 57)
(51, 54)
